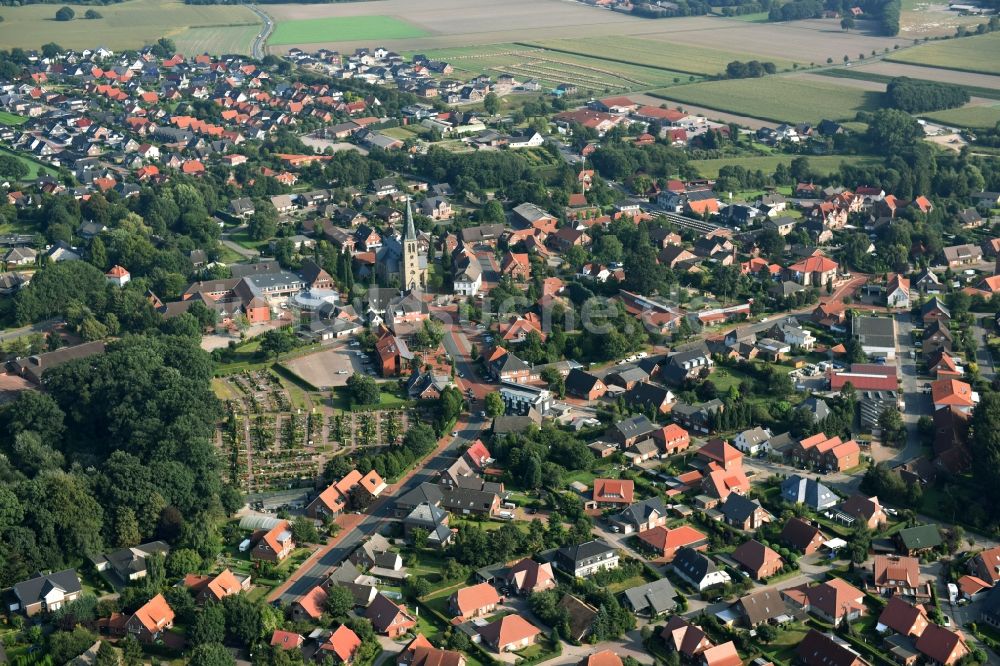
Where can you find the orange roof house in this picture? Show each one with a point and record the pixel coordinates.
(214, 587)
(529, 576)
(722, 655)
(287, 640)
(953, 393)
(389, 618)
(942, 646)
(834, 601)
(721, 453)
(602, 658)
(372, 483)
(903, 618)
(151, 619)
(665, 542)
(510, 633)
(343, 643)
(276, 544)
(721, 483)
(473, 601)
(310, 605)
(686, 638)
(613, 492)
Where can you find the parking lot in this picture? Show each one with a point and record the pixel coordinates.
(331, 367)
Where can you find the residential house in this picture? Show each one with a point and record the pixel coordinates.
(646, 396)
(287, 640)
(672, 439)
(760, 607)
(962, 255)
(700, 417)
(866, 509)
(46, 593)
(579, 617)
(799, 535)
(587, 558)
(986, 565)
(833, 601)
(420, 652)
(934, 310)
(664, 543)
(893, 575)
(151, 620)
(686, 639)
(902, 617)
(129, 564)
(918, 539)
(582, 384)
(644, 515)
(474, 601)
(724, 654)
(651, 599)
(810, 492)
(942, 646)
(819, 649)
(510, 633)
(758, 560)
(951, 393)
(341, 645)
(529, 576)
(816, 271)
(753, 441)
(216, 588)
(684, 365)
(631, 430)
(275, 545)
(720, 453)
(697, 569)
(744, 513)
(897, 292)
(388, 618)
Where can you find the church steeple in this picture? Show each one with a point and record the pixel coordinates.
(411, 232)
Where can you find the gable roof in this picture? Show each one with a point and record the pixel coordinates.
(470, 599)
(753, 555)
(903, 617)
(508, 629)
(762, 606)
(819, 649)
(686, 638)
(155, 614)
(342, 642)
(798, 534)
(941, 645)
(34, 590)
(614, 490)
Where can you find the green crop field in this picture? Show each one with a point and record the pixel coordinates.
(821, 164)
(7, 118)
(343, 28)
(968, 54)
(235, 39)
(666, 55)
(970, 116)
(778, 98)
(130, 24)
(550, 68)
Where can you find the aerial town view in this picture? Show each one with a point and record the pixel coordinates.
(438, 333)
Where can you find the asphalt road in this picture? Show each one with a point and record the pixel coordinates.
(257, 50)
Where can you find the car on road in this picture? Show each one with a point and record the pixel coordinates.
(341, 372)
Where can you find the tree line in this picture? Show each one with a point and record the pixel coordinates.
(916, 96)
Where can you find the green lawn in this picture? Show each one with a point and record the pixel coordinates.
(343, 28)
(980, 53)
(821, 164)
(970, 116)
(34, 168)
(8, 118)
(778, 98)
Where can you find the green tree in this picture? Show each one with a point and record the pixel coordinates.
(65, 14)
(210, 626)
(92, 14)
(494, 405)
(12, 168)
(339, 602)
(107, 655)
(491, 103)
(363, 389)
(211, 654)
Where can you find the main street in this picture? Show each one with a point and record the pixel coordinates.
(316, 569)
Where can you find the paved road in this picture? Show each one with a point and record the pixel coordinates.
(236, 247)
(984, 359)
(40, 327)
(258, 50)
(381, 513)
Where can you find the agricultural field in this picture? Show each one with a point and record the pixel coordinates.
(235, 39)
(968, 116)
(550, 68)
(130, 24)
(343, 28)
(778, 98)
(821, 164)
(968, 54)
(660, 54)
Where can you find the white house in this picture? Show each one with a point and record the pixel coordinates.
(753, 441)
(527, 140)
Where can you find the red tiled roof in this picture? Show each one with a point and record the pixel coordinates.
(343, 642)
(470, 599)
(155, 614)
(614, 490)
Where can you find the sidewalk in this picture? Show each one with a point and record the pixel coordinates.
(347, 522)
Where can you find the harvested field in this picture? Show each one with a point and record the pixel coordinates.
(551, 68)
(686, 59)
(340, 28)
(130, 24)
(967, 116)
(968, 54)
(779, 98)
(236, 39)
(484, 23)
(970, 79)
(821, 164)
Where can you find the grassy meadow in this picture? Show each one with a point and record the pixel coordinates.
(343, 28)
(980, 53)
(125, 25)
